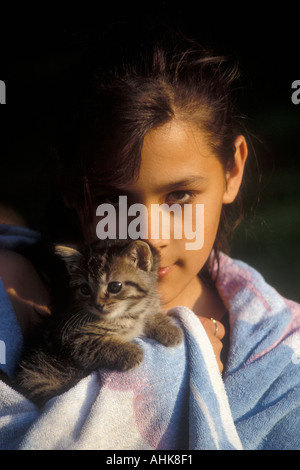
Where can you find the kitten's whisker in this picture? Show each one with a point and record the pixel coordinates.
(74, 321)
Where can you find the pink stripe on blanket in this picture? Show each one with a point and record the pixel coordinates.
(292, 328)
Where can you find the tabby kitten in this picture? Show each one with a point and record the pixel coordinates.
(107, 298)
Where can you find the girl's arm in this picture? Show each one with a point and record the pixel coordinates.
(27, 293)
(30, 298)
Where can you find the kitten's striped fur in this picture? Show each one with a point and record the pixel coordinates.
(109, 298)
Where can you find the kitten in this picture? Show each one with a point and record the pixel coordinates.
(105, 298)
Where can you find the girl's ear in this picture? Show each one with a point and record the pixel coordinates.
(235, 175)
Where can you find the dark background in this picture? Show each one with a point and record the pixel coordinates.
(40, 61)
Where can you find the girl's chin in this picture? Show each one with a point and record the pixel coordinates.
(167, 300)
(173, 291)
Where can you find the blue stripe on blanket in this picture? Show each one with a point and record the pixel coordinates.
(11, 236)
(11, 339)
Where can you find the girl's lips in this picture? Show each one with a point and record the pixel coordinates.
(162, 272)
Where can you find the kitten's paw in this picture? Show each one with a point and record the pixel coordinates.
(171, 335)
(162, 328)
(131, 356)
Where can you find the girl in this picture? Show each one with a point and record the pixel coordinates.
(158, 126)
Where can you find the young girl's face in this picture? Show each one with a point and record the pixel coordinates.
(178, 166)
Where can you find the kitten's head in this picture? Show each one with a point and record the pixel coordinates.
(110, 278)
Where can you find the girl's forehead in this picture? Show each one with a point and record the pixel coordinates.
(175, 144)
(176, 152)
(175, 139)
(174, 156)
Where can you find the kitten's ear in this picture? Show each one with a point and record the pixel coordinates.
(66, 252)
(140, 255)
(69, 255)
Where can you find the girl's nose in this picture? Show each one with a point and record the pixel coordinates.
(158, 236)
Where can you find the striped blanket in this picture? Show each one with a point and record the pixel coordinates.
(177, 398)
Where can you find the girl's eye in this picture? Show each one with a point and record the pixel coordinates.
(179, 197)
(85, 290)
(114, 287)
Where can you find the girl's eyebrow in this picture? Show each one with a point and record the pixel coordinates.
(168, 187)
(183, 183)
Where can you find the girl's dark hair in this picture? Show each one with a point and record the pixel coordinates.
(137, 88)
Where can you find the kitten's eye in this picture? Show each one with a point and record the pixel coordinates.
(114, 287)
(85, 290)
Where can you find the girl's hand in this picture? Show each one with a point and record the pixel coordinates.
(215, 336)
